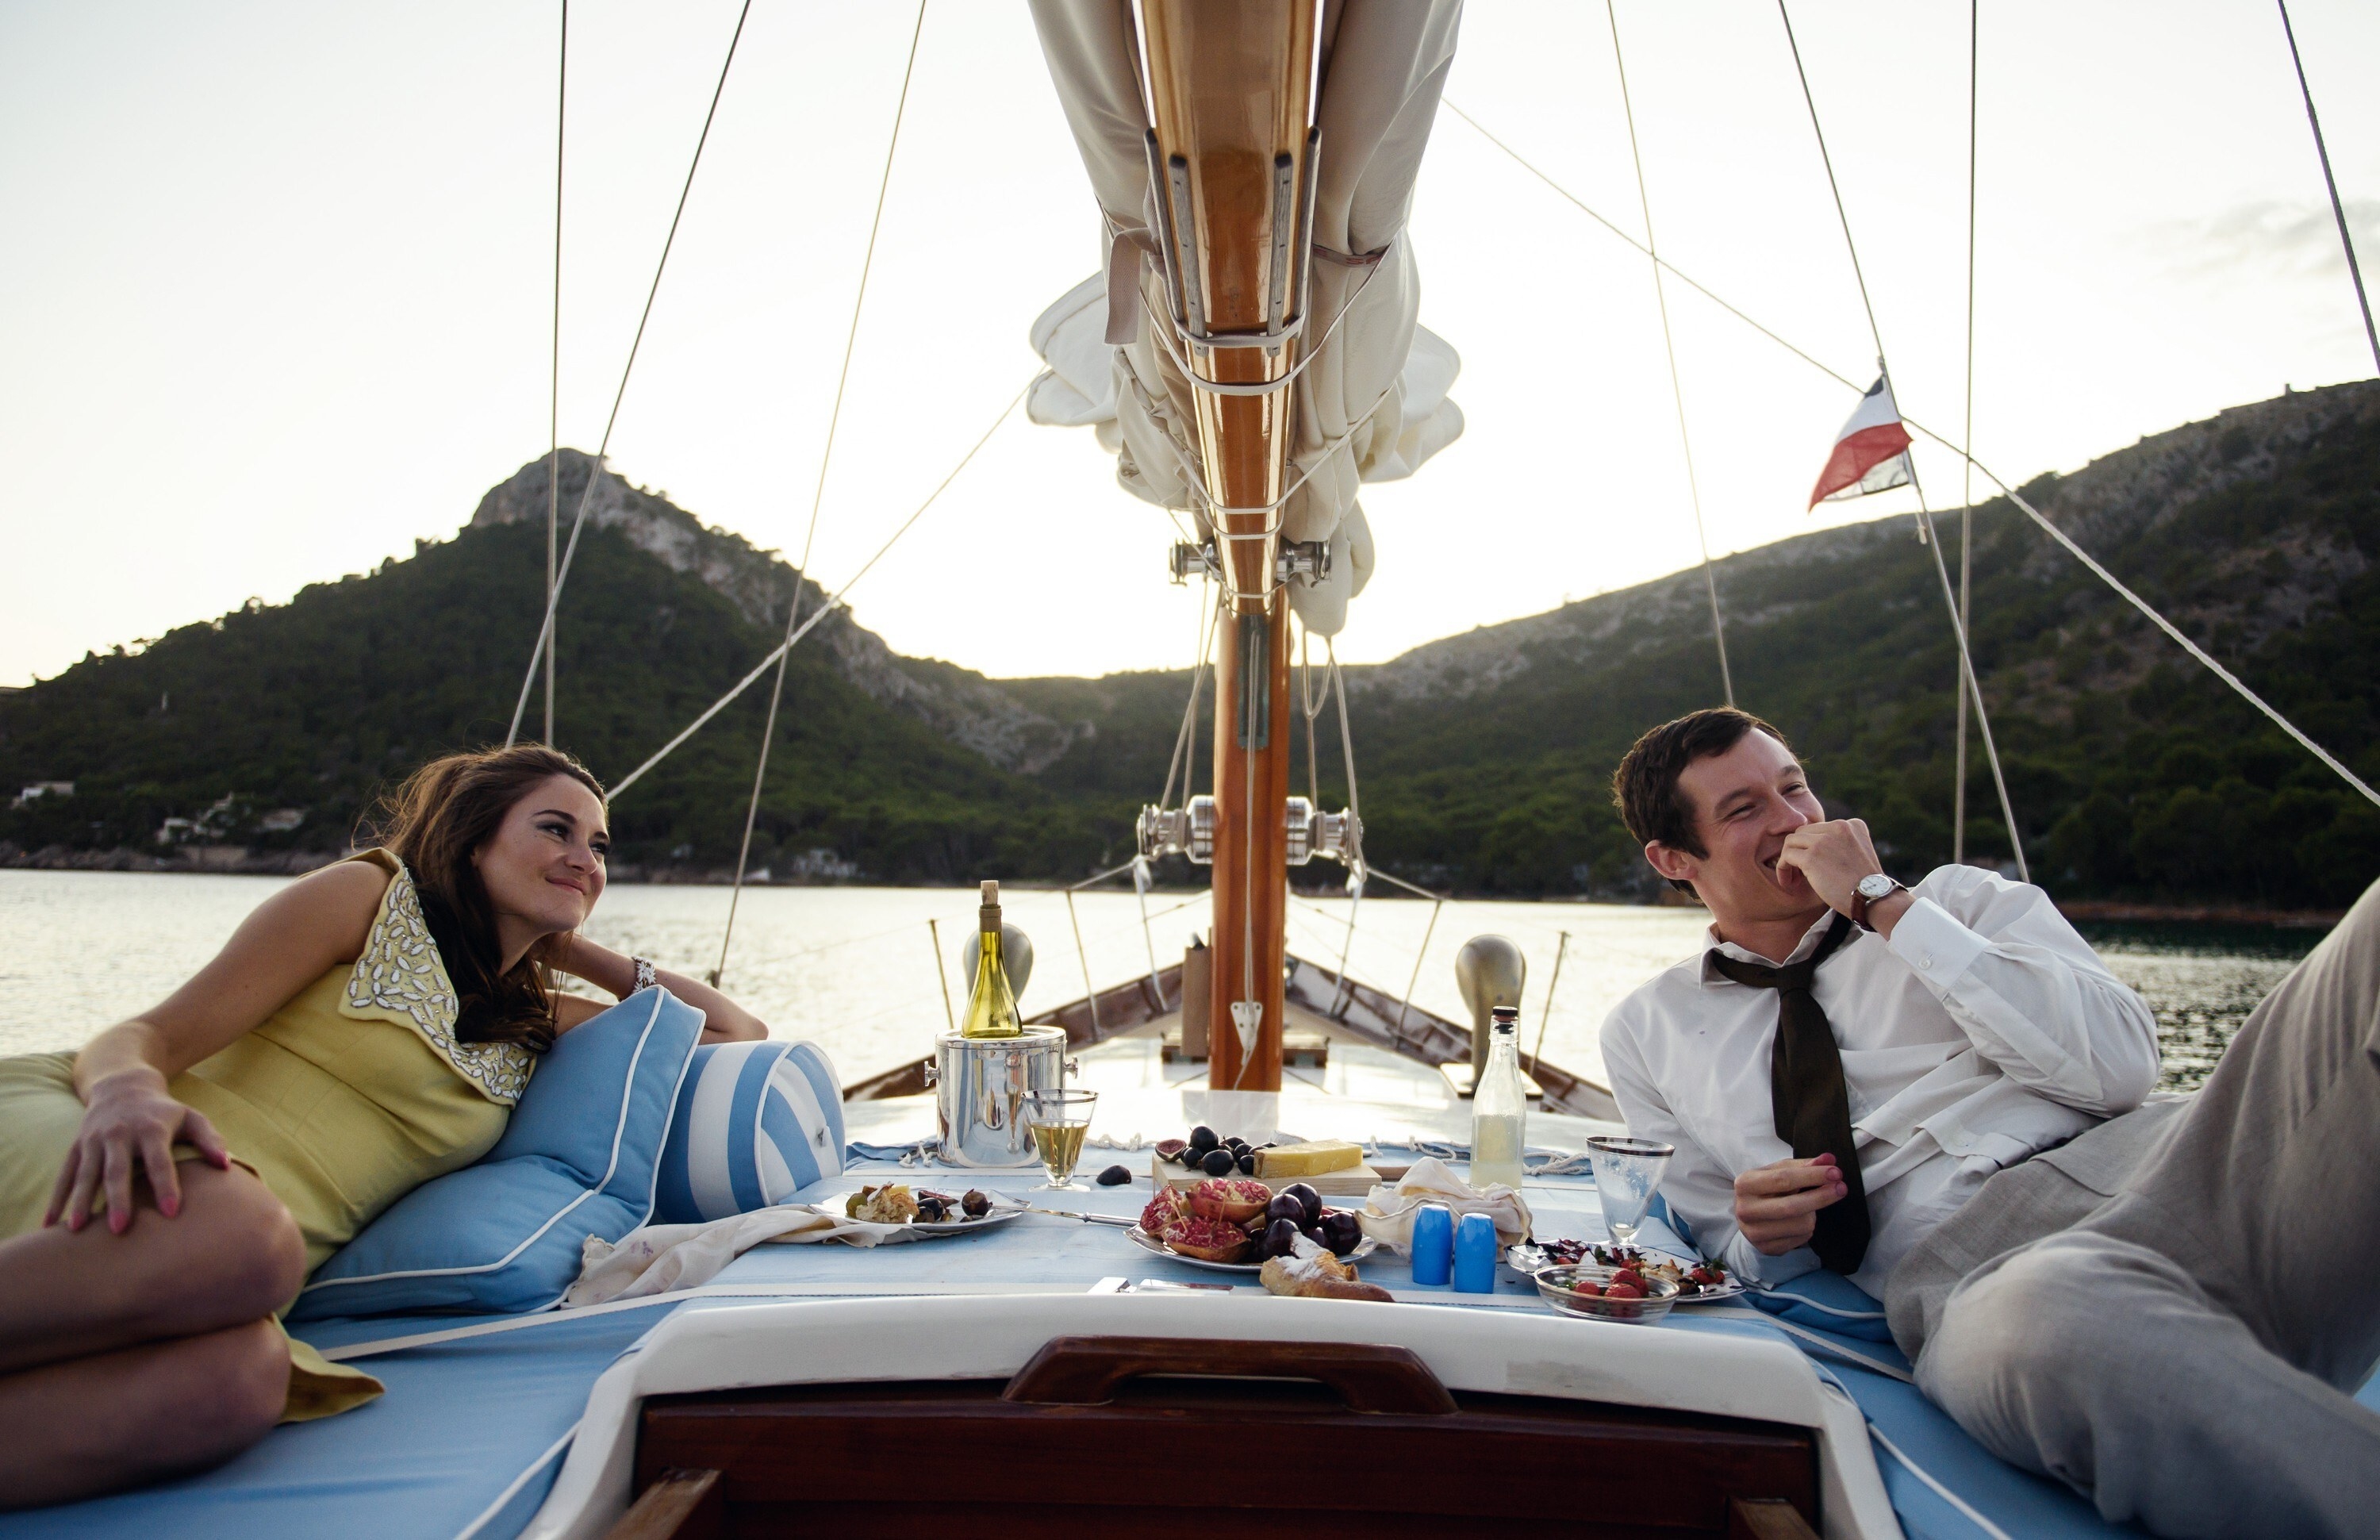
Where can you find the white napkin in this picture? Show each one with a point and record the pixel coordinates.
(1387, 1213)
(653, 1259)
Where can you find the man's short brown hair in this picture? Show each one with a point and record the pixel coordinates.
(1644, 787)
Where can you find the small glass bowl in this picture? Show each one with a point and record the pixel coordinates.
(1559, 1285)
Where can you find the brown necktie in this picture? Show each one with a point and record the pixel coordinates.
(1806, 1094)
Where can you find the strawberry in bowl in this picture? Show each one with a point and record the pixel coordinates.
(1236, 1200)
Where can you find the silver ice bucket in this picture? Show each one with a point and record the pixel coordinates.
(980, 1085)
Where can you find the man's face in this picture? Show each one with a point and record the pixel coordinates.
(1746, 801)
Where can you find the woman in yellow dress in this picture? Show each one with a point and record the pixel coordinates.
(164, 1192)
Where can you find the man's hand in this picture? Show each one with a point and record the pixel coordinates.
(1776, 1207)
(1832, 857)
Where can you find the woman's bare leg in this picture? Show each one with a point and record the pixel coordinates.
(231, 1256)
(114, 1420)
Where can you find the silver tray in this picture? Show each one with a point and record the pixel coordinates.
(1151, 1244)
(1529, 1260)
(1002, 1210)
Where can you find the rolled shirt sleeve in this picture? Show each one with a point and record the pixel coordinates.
(2028, 991)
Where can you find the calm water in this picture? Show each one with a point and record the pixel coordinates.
(853, 968)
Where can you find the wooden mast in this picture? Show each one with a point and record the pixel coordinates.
(1231, 97)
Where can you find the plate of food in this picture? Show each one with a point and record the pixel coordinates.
(1234, 1224)
(1698, 1282)
(925, 1211)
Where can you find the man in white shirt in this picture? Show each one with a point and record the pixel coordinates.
(1855, 1075)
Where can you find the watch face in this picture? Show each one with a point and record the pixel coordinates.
(1875, 886)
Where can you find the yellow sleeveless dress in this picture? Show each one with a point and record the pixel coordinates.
(345, 1100)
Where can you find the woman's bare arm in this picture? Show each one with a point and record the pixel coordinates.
(724, 1021)
(289, 940)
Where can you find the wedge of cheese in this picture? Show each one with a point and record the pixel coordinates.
(1312, 1159)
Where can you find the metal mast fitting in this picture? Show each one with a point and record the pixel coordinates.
(1232, 153)
(1306, 832)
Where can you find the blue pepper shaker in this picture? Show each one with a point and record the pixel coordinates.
(1433, 1243)
(1475, 1256)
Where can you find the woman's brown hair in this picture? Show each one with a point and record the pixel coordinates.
(434, 823)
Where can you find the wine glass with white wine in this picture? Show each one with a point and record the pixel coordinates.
(1059, 1120)
(1627, 1174)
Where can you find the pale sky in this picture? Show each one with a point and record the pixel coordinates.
(274, 289)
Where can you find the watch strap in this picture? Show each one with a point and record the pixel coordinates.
(1859, 900)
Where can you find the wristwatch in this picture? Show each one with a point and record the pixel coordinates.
(1874, 887)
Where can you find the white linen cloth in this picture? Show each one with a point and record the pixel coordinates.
(1388, 1212)
(1983, 1030)
(653, 1259)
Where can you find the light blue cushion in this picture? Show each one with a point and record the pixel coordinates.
(755, 1123)
(578, 1159)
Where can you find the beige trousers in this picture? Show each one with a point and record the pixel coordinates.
(2172, 1312)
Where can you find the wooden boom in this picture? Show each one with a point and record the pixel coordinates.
(1231, 97)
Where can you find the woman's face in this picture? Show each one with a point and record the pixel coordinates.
(543, 869)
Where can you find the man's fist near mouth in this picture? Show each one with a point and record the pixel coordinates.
(1832, 856)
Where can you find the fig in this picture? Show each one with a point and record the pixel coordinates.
(1114, 1176)
(1171, 1150)
(1341, 1232)
(1304, 1192)
(1280, 1240)
(1246, 1163)
(1202, 1139)
(1284, 1205)
(975, 1205)
(1314, 1233)
(1218, 1163)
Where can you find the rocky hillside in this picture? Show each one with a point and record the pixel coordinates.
(1484, 758)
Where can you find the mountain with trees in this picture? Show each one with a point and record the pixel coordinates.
(259, 739)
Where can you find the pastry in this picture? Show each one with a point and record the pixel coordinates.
(891, 1203)
(1322, 1276)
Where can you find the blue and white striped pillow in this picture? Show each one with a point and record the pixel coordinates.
(755, 1123)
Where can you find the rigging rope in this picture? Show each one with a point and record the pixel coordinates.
(554, 377)
(817, 496)
(1677, 389)
(2337, 211)
(1924, 517)
(1966, 470)
(1960, 449)
(595, 471)
(833, 603)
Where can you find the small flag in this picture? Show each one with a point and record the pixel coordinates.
(1871, 452)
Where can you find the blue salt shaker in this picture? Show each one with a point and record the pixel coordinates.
(1475, 1256)
(1433, 1243)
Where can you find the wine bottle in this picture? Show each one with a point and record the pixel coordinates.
(1500, 1108)
(991, 1009)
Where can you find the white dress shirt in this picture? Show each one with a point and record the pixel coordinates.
(1983, 1030)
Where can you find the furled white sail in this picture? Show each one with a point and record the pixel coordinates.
(1373, 405)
